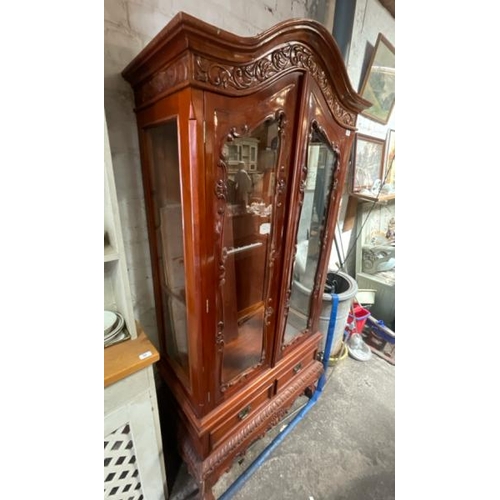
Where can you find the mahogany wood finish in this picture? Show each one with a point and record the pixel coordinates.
(233, 374)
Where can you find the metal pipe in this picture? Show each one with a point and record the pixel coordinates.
(237, 485)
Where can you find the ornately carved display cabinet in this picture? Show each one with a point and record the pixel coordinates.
(244, 148)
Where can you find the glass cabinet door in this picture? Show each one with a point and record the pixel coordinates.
(249, 212)
(247, 233)
(322, 161)
(168, 222)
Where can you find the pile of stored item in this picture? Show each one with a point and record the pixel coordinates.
(381, 339)
(115, 330)
(365, 334)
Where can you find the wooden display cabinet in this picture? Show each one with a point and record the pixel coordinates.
(236, 349)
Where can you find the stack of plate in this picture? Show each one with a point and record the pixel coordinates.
(114, 328)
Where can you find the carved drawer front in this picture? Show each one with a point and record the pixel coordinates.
(243, 413)
(297, 367)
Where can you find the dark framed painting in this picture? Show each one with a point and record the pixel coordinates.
(379, 85)
(368, 165)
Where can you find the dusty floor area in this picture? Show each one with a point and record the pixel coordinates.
(343, 449)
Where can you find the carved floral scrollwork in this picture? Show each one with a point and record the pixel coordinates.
(221, 193)
(163, 80)
(269, 312)
(221, 189)
(272, 255)
(222, 267)
(280, 189)
(302, 187)
(324, 238)
(282, 123)
(234, 134)
(282, 59)
(219, 339)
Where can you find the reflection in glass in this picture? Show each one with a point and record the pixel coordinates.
(321, 164)
(251, 168)
(164, 159)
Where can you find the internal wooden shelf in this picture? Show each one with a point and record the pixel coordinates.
(380, 199)
(126, 358)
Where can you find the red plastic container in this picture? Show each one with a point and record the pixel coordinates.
(361, 315)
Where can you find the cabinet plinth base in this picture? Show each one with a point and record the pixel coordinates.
(207, 472)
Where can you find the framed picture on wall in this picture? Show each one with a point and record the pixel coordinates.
(368, 165)
(379, 82)
(390, 162)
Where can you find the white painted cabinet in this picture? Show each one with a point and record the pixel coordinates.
(116, 285)
(133, 452)
(245, 151)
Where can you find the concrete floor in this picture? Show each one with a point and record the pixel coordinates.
(343, 449)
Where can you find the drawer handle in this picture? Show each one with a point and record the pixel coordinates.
(244, 413)
(297, 368)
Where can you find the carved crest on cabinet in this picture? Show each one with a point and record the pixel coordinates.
(172, 75)
(283, 59)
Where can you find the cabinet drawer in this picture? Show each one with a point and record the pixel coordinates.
(243, 413)
(295, 369)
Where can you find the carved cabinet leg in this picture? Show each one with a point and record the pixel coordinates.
(205, 490)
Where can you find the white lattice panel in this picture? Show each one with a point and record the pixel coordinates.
(121, 475)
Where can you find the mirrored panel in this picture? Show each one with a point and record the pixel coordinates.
(164, 164)
(321, 165)
(248, 217)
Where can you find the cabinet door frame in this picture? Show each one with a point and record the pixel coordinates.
(257, 110)
(316, 113)
(186, 107)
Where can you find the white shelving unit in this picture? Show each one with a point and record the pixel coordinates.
(375, 222)
(116, 285)
(244, 150)
(133, 451)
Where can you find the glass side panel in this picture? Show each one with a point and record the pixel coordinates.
(247, 243)
(321, 164)
(166, 193)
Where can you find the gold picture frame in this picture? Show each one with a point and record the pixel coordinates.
(379, 84)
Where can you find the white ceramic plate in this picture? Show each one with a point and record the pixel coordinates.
(110, 321)
(121, 335)
(117, 328)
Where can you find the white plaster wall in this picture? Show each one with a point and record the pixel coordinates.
(370, 19)
(128, 26)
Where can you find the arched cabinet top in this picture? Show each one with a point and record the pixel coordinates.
(190, 52)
